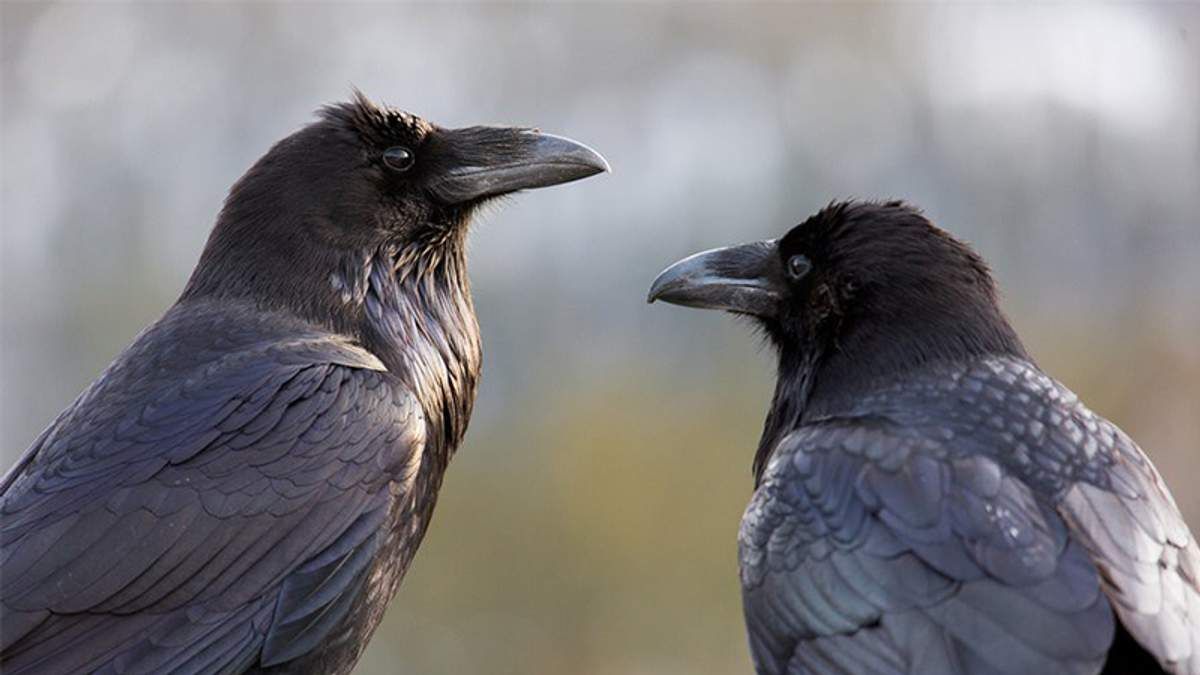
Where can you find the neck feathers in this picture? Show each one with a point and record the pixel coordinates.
(793, 387)
(421, 322)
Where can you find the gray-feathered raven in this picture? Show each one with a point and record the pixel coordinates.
(929, 501)
(244, 487)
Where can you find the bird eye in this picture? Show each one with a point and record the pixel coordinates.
(798, 266)
(399, 158)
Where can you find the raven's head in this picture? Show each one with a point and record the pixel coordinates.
(302, 224)
(410, 176)
(859, 291)
(849, 269)
(363, 174)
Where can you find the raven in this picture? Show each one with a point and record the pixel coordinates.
(927, 499)
(244, 487)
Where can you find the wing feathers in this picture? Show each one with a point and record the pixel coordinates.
(953, 559)
(1149, 575)
(163, 534)
(996, 525)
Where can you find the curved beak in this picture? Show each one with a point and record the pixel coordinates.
(747, 279)
(481, 162)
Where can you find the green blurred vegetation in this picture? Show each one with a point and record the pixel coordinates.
(604, 542)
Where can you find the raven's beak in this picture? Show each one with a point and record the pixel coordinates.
(747, 279)
(481, 162)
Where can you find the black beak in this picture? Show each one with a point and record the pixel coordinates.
(481, 162)
(747, 279)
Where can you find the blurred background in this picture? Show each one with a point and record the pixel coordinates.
(588, 525)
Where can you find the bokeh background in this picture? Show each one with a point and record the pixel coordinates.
(588, 525)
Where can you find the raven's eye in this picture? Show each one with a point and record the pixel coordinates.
(399, 158)
(798, 266)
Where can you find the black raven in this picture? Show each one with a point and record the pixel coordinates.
(243, 489)
(927, 500)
